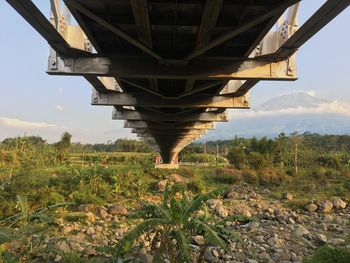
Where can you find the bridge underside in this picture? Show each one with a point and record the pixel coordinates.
(170, 68)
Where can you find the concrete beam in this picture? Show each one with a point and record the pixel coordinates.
(194, 101)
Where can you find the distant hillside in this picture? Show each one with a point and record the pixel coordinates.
(288, 113)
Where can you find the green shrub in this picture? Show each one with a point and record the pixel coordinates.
(75, 217)
(250, 177)
(256, 160)
(196, 185)
(327, 254)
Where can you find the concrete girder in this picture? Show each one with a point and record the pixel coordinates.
(194, 117)
(194, 101)
(134, 67)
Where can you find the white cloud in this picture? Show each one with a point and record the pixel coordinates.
(334, 107)
(60, 90)
(59, 108)
(16, 123)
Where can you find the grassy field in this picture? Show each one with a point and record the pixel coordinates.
(33, 197)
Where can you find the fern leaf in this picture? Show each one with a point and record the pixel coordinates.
(128, 240)
(182, 246)
(210, 234)
(198, 201)
(23, 202)
(5, 236)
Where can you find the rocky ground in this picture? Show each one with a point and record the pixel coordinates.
(273, 233)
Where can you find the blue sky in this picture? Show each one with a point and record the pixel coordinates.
(36, 103)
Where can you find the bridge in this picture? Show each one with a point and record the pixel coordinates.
(171, 68)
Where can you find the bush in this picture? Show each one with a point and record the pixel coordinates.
(268, 177)
(327, 254)
(196, 185)
(250, 177)
(256, 160)
(76, 217)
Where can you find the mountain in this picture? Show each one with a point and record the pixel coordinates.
(293, 100)
(299, 112)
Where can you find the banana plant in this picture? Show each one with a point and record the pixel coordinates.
(172, 225)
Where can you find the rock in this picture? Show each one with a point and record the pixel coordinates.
(117, 209)
(66, 229)
(212, 203)
(274, 241)
(321, 238)
(251, 261)
(336, 241)
(199, 240)
(90, 231)
(58, 258)
(215, 253)
(63, 245)
(300, 231)
(145, 258)
(86, 208)
(209, 256)
(103, 213)
(311, 207)
(90, 217)
(221, 211)
(328, 218)
(282, 256)
(90, 251)
(161, 185)
(287, 196)
(177, 178)
(338, 203)
(326, 206)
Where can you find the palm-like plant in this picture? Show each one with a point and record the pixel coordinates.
(171, 225)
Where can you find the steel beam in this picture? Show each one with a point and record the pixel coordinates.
(136, 115)
(134, 67)
(177, 126)
(194, 101)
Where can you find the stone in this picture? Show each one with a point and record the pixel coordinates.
(336, 241)
(90, 251)
(215, 253)
(251, 261)
(287, 196)
(145, 258)
(209, 256)
(90, 217)
(338, 203)
(213, 203)
(66, 229)
(103, 213)
(86, 208)
(300, 231)
(282, 256)
(117, 209)
(221, 211)
(199, 240)
(63, 246)
(161, 185)
(326, 206)
(311, 207)
(58, 258)
(90, 231)
(328, 218)
(177, 178)
(321, 238)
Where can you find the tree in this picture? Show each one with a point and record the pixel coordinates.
(65, 142)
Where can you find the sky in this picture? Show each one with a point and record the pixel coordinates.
(34, 103)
